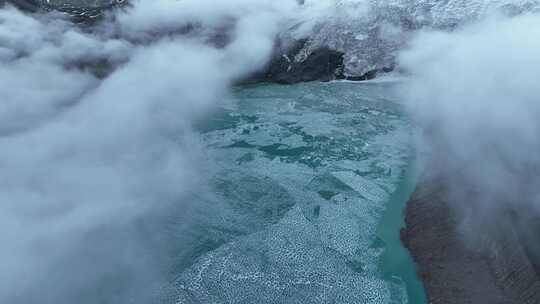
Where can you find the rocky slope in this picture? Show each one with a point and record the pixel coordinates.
(451, 272)
(498, 270)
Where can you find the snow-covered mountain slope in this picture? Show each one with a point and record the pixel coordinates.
(369, 32)
(331, 39)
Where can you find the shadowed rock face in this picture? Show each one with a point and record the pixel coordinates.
(321, 64)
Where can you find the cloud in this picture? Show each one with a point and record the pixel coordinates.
(476, 93)
(84, 159)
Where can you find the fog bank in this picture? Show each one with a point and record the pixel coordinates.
(84, 159)
(476, 92)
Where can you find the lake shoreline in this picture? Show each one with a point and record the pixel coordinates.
(396, 262)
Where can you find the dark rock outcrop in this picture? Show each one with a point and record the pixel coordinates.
(322, 64)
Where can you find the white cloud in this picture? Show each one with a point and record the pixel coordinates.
(477, 92)
(83, 158)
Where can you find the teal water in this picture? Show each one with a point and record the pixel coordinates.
(396, 262)
(304, 206)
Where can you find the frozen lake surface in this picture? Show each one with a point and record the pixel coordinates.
(303, 177)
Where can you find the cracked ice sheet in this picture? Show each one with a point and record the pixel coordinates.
(323, 249)
(286, 264)
(363, 186)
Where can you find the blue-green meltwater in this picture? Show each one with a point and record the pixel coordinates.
(307, 193)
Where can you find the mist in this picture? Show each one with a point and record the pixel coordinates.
(86, 157)
(476, 93)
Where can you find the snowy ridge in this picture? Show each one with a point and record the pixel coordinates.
(369, 32)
